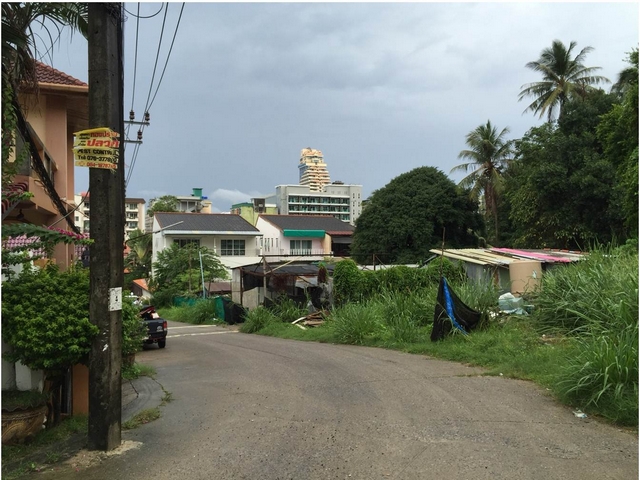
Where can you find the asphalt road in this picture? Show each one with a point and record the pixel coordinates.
(253, 407)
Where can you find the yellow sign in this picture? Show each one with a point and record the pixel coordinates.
(96, 148)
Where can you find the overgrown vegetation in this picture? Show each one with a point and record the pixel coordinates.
(581, 342)
(17, 459)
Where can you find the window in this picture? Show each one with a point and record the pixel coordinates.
(183, 242)
(232, 247)
(300, 247)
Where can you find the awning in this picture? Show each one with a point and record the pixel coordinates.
(303, 233)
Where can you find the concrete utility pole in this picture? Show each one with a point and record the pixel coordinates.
(107, 229)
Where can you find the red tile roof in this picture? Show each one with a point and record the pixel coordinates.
(47, 74)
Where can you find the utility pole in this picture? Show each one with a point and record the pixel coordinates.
(107, 229)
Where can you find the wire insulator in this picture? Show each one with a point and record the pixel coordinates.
(132, 115)
(147, 117)
(139, 134)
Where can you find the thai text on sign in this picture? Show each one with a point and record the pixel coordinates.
(96, 148)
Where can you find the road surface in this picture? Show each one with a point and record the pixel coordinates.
(254, 407)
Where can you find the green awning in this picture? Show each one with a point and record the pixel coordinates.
(303, 233)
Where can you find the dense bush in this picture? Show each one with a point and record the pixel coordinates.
(134, 331)
(45, 319)
(351, 284)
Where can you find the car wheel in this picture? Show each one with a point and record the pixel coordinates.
(162, 343)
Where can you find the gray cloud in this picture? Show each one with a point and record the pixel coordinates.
(380, 88)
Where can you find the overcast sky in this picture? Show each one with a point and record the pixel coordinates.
(379, 88)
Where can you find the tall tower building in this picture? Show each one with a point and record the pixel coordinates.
(313, 170)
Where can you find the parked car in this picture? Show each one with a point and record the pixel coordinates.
(156, 326)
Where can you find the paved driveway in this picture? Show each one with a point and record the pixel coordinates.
(253, 407)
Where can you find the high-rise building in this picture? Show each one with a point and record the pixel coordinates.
(313, 170)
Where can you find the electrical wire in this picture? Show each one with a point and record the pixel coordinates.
(168, 56)
(136, 150)
(153, 76)
(166, 10)
(135, 66)
(138, 16)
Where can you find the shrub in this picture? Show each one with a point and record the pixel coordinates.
(45, 319)
(134, 331)
(345, 282)
(203, 311)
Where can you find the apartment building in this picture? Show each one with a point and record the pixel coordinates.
(337, 199)
(134, 213)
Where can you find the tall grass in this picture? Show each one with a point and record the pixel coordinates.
(357, 323)
(596, 301)
(203, 311)
(258, 319)
(600, 290)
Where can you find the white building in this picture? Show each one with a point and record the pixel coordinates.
(235, 240)
(336, 199)
(134, 213)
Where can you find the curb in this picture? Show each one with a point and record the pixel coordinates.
(140, 394)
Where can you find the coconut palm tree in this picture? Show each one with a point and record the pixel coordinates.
(628, 76)
(563, 78)
(19, 49)
(489, 154)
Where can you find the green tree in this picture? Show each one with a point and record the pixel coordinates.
(489, 154)
(166, 203)
(563, 78)
(178, 268)
(627, 78)
(560, 186)
(138, 259)
(618, 133)
(405, 219)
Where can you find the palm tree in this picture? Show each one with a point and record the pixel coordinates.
(629, 76)
(489, 154)
(19, 48)
(19, 52)
(563, 78)
(139, 256)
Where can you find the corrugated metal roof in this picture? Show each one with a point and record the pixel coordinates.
(505, 256)
(204, 222)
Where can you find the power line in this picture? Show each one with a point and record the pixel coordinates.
(168, 56)
(138, 15)
(135, 67)
(136, 150)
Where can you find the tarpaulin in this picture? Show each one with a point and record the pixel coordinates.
(451, 312)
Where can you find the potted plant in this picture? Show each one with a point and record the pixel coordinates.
(23, 415)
